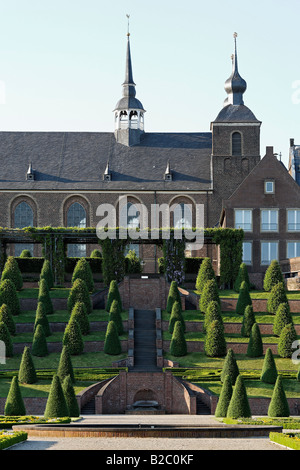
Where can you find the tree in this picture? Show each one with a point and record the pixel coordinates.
(42, 319)
(9, 296)
(96, 254)
(12, 272)
(46, 273)
(44, 296)
(72, 338)
(14, 405)
(276, 297)
(70, 396)
(56, 406)
(239, 404)
(244, 299)
(242, 276)
(224, 398)
(176, 315)
(6, 338)
(39, 343)
(230, 367)
(115, 316)
(113, 294)
(273, 275)
(278, 406)
(269, 370)
(287, 336)
(178, 345)
(65, 367)
(79, 314)
(27, 373)
(112, 345)
(173, 295)
(255, 345)
(209, 294)
(205, 273)
(248, 321)
(213, 312)
(7, 318)
(133, 262)
(79, 293)
(25, 254)
(215, 344)
(282, 318)
(83, 271)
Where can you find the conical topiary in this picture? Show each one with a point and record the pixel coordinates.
(56, 406)
(44, 296)
(278, 407)
(79, 293)
(269, 369)
(248, 321)
(176, 315)
(72, 338)
(205, 273)
(273, 275)
(12, 271)
(70, 396)
(286, 339)
(42, 319)
(244, 299)
(39, 342)
(173, 295)
(255, 345)
(178, 345)
(46, 273)
(65, 367)
(6, 338)
(112, 345)
(230, 367)
(209, 294)
(79, 314)
(276, 297)
(242, 276)
(27, 373)
(224, 398)
(7, 318)
(113, 294)
(239, 404)
(9, 296)
(115, 316)
(14, 405)
(282, 318)
(83, 271)
(215, 344)
(213, 312)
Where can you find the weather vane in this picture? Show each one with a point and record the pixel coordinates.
(128, 33)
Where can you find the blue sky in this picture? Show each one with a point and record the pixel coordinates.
(62, 63)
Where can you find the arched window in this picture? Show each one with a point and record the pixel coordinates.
(76, 217)
(236, 143)
(23, 217)
(129, 218)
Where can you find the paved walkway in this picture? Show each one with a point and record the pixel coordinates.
(153, 444)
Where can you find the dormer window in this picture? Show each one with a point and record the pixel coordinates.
(269, 187)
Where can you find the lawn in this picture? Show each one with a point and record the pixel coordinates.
(255, 294)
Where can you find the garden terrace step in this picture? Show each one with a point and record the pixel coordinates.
(89, 407)
(145, 340)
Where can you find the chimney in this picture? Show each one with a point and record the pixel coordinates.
(292, 142)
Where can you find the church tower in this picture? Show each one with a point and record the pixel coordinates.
(129, 111)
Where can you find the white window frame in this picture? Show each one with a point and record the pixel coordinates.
(270, 211)
(295, 223)
(266, 187)
(242, 225)
(270, 258)
(294, 242)
(248, 262)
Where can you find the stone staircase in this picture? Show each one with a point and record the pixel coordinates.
(89, 407)
(145, 355)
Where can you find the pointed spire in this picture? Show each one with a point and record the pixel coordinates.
(235, 85)
(128, 85)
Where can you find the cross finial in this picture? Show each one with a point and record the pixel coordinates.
(128, 33)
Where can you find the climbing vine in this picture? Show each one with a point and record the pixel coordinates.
(113, 259)
(174, 259)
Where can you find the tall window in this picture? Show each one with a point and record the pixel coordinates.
(293, 249)
(23, 218)
(293, 220)
(269, 251)
(236, 143)
(76, 217)
(129, 218)
(269, 220)
(243, 219)
(182, 216)
(247, 253)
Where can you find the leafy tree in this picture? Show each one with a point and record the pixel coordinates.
(39, 343)
(278, 406)
(248, 321)
(176, 315)
(9, 296)
(239, 404)
(230, 367)
(112, 344)
(209, 294)
(6, 338)
(79, 293)
(215, 344)
(282, 318)
(27, 373)
(287, 336)
(7, 318)
(133, 262)
(244, 299)
(115, 315)
(213, 312)
(269, 369)
(178, 345)
(42, 319)
(65, 367)
(205, 273)
(70, 396)
(12, 272)
(173, 295)
(79, 314)
(83, 271)
(224, 398)
(273, 275)
(56, 406)
(14, 405)
(113, 294)
(46, 273)
(255, 345)
(44, 296)
(72, 338)
(242, 276)
(276, 297)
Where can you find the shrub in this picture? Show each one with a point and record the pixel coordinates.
(27, 373)
(96, 254)
(269, 370)
(11, 271)
(25, 254)
(44, 296)
(115, 316)
(79, 314)
(65, 367)
(209, 294)
(72, 338)
(248, 321)
(244, 299)
(9, 296)
(173, 295)
(215, 344)
(39, 342)
(176, 315)
(239, 404)
(70, 396)
(7, 318)
(213, 313)
(273, 275)
(242, 276)
(46, 273)
(79, 293)
(276, 297)
(14, 405)
(113, 294)
(42, 319)
(224, 398)
(133, 263)
(282, 318)
(112, 345)
(178, 344)
(56, 406)
(205, 273)
(83, 271)
(6, 338)
(230, 367)
(255, 345)
(287, 336)
(278, 406)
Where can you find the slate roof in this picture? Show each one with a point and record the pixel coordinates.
(236, 113)
(76, 161)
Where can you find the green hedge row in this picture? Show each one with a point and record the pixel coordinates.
(7, 440)
(80, 374)
(7, 422)
(211, 375)
(288, 440)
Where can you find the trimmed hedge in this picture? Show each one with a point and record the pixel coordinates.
(209, 294)
(242, 276)
(269, 370)
(276, 297)
(176, 315)
(7, 440)
(65, 367)
(27, 373)
(11, 271)
(255, 345)
(278, 406)
(273, 275)
(112, 345)
(215, 344)
(205, 273)
(14, 404)
(70, 397)
(39, 343)
(239, 404)
(44, 296)
(115, 316)
(287, 440)
(83, 271)
(72, 338)
(178, 345)
(9, 296)
(7, 318)
(79, 293)
(224, 398)
(244, 299)
(230, 367)
(56, 406)
(248, 321)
